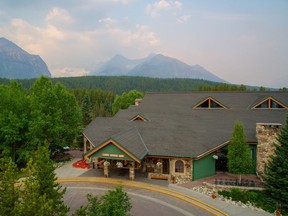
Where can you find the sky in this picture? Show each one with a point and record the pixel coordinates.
(243, 42)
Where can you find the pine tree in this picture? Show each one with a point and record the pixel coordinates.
(86, 110)
(276, 174)
(32, 202)
(239, 158)
(41, 195)
(8, 190)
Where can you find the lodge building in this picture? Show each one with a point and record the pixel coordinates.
(184, 136)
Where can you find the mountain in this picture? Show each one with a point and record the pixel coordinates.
(161, 66)
(157, 66)
(16, 63)
(118, 66)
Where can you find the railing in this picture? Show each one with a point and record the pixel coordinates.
(234, 182)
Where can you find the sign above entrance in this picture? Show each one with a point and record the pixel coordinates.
(113, 155)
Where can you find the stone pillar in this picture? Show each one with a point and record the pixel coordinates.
(266, 134)
(84, 144)
(106, 171)
(132, 170)
(106, 168)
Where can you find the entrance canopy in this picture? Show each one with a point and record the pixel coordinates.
(127, 145)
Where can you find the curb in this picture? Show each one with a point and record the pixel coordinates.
(191, 200)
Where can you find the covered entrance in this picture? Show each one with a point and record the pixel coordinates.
(111, 155)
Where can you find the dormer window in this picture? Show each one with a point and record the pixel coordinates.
(138, 117)
(209, 103)
(269, 103)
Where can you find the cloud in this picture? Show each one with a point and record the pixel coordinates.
(184, 18)
(108, 22)
(67, 50)
(111, 1)
(228, 17)
(248, 38)
(142, 35)
(58, 17)
(72, 72)
(122, 1)
(154, 10)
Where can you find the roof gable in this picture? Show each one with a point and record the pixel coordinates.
(269, 103)
(138, 117)
(111, 151)
(210, 103)
(128, 141)
(107, 143)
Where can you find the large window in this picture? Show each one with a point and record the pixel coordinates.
(209, 103)
(179, 166)
(269, 103)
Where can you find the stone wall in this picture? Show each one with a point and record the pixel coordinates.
(266, 134)
(181, 177)
(154, 168)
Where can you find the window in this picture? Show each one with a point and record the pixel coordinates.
(179, 166)
(138, 118)
(269, 103)
(209, 103)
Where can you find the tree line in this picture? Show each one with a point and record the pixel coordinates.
(120, 84)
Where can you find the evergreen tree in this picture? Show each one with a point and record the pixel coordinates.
(239, 156)
(41, 195)
(31, 202)
(276, 175)
(8, 190)
(86, 110)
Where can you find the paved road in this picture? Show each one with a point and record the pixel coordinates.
(67, 171)
(143, 202)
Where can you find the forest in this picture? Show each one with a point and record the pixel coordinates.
(120, 84)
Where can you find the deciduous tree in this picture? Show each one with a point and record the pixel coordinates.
(125, 100)
(14, 119)
(114, 203)
(55, 115)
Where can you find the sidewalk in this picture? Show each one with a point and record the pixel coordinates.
(67, 170)
(231, 209)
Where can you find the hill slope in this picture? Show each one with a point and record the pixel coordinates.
(16, 63)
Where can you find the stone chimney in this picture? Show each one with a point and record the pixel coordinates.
(266, 134)
(138, 101)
